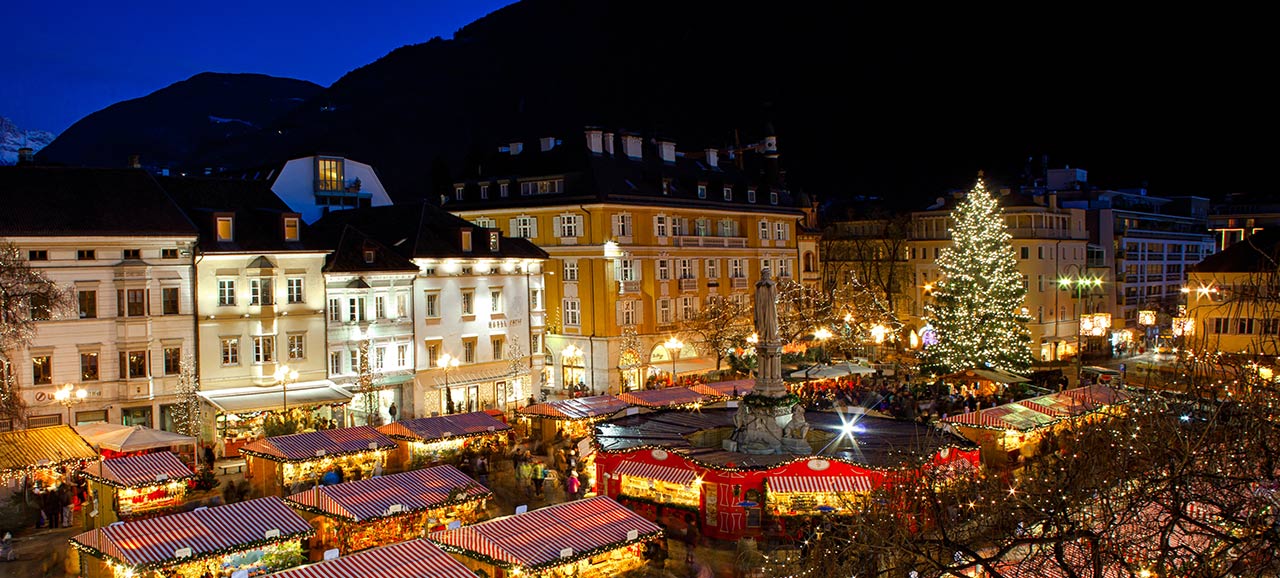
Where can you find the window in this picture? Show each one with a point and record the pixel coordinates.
(543, 187)
(226, 292)
(686, 268)
(1040, 283)
(169, 300)
(570, 225)
(42, 369)
(433, 354)
(688, 307)
(89, 366)
(664, 270)
(468, 352)
(660, 225)
(329, 175)
(86, 255)
(784, 267)
(297, 347)
(572, 312)
(702, 191)
(133, 364)
(484, 192)
(1270, 326)
(679, 226)
(713, 268)
(380, 307)
(457, 193)
(495, 239)
(355, 361)
(370, 255)
(379, 358)
(764, 230)
(773, 197)
(780, 231)
(1025, 252)
(536, 343)
(535, 300)
(260, 292)
(503, 189)
(702, 227)
(264, 348)
(356, 309)
(291, 228)
(231, 351)
(666, 186)
(525, 227)
(735, 269)
(335, 310)
(1244, 326)
(88, 304)
(433, 305)
(496, 342)
(628, 312)
(570, 270)
(728, 193)
(402, 355)
(466, 240)
(131, 254)
(402, 304)
(627, 270)
(225, 230)
(293, 287)
(1039, 251)
(335, 363)
(622, 225)
(495, 301)
(168, 253)
(40, 255)
(468, 302)
(172, 360)
(727, 228)
(664, 312)
(751, 195)
(132, 302)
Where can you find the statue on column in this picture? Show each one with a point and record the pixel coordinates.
(766, 315)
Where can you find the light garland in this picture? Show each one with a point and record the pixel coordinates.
(349, 453)
(195, 557)
(576, 556)
(468, 499)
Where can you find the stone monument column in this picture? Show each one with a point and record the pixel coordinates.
(762, 415)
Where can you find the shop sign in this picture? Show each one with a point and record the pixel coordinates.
(819, 465)
(272, 533)
(659, 454)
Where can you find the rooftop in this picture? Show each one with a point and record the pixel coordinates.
(89, 202)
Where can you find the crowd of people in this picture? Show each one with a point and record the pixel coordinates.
(904, 399)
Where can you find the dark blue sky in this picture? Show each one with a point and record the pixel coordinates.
(64, 60)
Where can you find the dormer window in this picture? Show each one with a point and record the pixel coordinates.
(457, 193)
(728, 193)
(493, 241)
(702, 191)
(225, 229)
(466, 240)
(773, 197)
(329, 174)
(291, 226)
(369, 256)
(751, 195)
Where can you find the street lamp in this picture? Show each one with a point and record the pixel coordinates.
(448, 362)
(1080, 282)
(673, 345)
(284, 375)
(68, 395)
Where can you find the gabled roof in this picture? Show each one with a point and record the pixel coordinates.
(421, 230)
(258, 215)
(314, 445)
(349, 253)
(394, 495)
(139, 471)
(413, 559)
(458, 425)
(63, 201)
(48, 446)
(1254, 254)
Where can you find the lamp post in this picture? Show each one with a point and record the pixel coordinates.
(673, 345)
(1080, 282)
(448, 362)
(284, 375)
(68, 395)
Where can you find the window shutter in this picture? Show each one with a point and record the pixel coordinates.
(533, 227)
(555, 224)
(511, 227)
(148, 297)
(617, 313)
(617, 225)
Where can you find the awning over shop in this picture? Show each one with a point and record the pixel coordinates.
(397, 494)
(304, 394)
(457, 378)
(576, 408)
(819, 484)
(538, 539)
(665, 397)
(412, 559)
(138, 471)
(42, 446)
(315, 444)
(1096, 396)
(427, 429)
(190, 536)
(1010, 416)
(732, 389)
(656, 472)
(130, 438)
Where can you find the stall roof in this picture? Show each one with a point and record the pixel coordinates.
(813, 484)
(444, 426)
(576, 408)
(374, 498)
(1097, 395)
(51, 445)
(138, 471)
(326, 442)
(665, 397)
(130, 438)
(678, 476)
(538, 539)
(412, 559)
(307, 393)
(996, 375)
(1010, 416)
(690, 365)
(207, 532)
(732, 389)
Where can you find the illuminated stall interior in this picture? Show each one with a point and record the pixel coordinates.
(659, 484)
(294, 463)
(42, 457)
(593, 538)
(363, 514)
(136, 486)
(813, 495)
(412, 559)
(983, 381)
(241, 414)
(257, 536)
(432, 440)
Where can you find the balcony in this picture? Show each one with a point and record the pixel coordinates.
(688, 284)
(738, 282)
(708, 241)
(1030, 233)
(628, 287)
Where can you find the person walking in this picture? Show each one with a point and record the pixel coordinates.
(572, 485)
(539, 477)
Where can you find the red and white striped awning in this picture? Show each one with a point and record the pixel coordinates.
(665, 397)
(138, 471)
(328, 442)
(162, 541)
(576, 408)
(819, 484)
(412, 491)
(977, 418)
(1047, 410)
(412, 559)
(656, 472)
(732, 389)
(426, 429)
(538, 539)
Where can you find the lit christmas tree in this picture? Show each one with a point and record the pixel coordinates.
(977, 303)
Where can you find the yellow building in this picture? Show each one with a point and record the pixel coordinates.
(640, 237)
(1231, 303)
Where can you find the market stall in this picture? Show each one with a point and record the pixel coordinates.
(983, 381)
(42, 457)
(593, 538)
(665, 398)
(432, 440)
(136, 486)
(807, 495)
(724, 390)
(567, 418)
(354, 516)
(257, 536)
(115, 440)
(655, 484)
(290, 464)
(241, 414)
(412, 559)
(1007, 433)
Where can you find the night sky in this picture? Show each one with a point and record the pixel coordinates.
(64, 60)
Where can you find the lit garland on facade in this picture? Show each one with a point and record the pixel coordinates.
(195, 557)
(907, 458)
(377, 453)
(467, 499)
(572, 558)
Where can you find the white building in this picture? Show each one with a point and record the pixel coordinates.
(315, 185)
(130, 274)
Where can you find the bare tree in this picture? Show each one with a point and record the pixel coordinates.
(26, 298)
(722, 324)
(872, 251)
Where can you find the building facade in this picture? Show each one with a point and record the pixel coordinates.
(129, 274)
(314, 185)
(1231, 301)
(1239, 216)
(640, 237)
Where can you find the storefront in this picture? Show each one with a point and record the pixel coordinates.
(243, 415)
(412, 559)
(593, 538)
(432, 440)
(359, 515)
(257, 536)
(135, 487)
(283, 465)
(567, 418)
(384, 405)
(42, 458)
(812, 495)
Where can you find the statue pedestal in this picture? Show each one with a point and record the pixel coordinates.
(796, 446)
(761, 429)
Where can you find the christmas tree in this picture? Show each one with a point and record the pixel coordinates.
(186, 411)
(977, 303)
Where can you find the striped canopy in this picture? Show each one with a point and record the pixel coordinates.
(1010, 416)
(665, 397)
(1095, 396)
(537, 539)
(576, 408)
(159, 542)
(412, 559)
(1048, 406)
(328, 442)
(656, 472)
(819, 484)
(426, 429)
(725, 388)
(49, 446)
(139, 471)
(370, 499)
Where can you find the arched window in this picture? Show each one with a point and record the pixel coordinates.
(808, 261)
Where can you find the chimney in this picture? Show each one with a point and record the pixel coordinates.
(608, 143)
(26, 156)
(595, 142)
(713, 158)
(632, 146)
(546, 143)
(667, 150)
(1053, 201)
(516, 148)
(135, 162)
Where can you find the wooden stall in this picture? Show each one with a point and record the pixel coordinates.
(434, 440)
(665, 398)
(258, 536)
(570, 419)
(290, 464)
(593, 538)
(412, 559)
(724, 390)
(135, 487)
(983, 381)
(41, 458)
(358, 515)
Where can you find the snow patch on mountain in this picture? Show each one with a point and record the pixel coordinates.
(13, 138)
(221, 120)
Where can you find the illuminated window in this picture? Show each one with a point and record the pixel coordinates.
(225, 230)
(329, 175)
(291, 228)
(572, 312)
(264, 348)
(42, 369)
